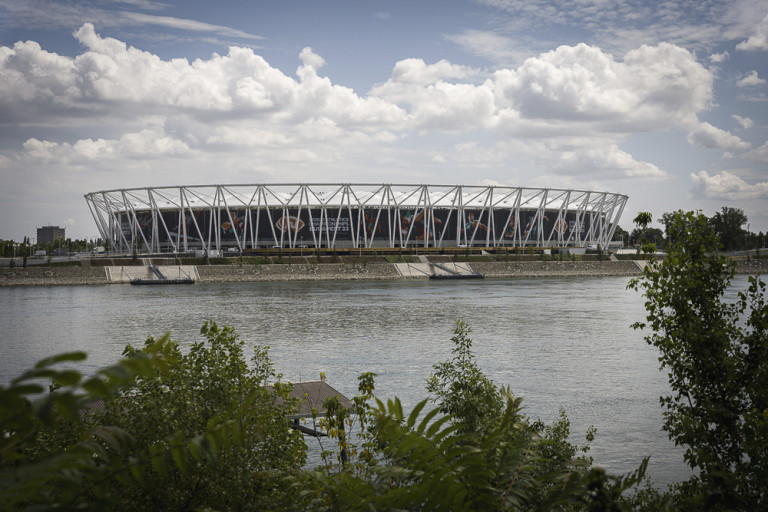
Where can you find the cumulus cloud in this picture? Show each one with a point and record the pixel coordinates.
(758, 154)
(744, 122)
(717, 58)
(727, 186)
(707, 136)
(603, 160)
(657, 86)
(148, 143)
(568, 89)
(565, 112)
(758, 40)
(652, 88)
(750, 80)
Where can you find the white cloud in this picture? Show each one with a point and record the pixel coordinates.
(620, 26)
(146, 144)
(758, 40)
(727, 186)
(54, 14)
(598, 159)
(185, 24)
(744, 122)
(750, 80)
(118, 116)
(707, 136)
(488, 44)
(758, 154)
(717, 58)
(657, 87)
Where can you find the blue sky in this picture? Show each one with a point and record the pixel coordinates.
(666, 102)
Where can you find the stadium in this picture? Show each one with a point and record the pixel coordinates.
(218, 218)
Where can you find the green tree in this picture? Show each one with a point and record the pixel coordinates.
(475, 451)
(462, 389)
(210, 384)
(182, 432)
(727, 225)
(641, 221)
(620, 235)
(716, 355)
(49, 459)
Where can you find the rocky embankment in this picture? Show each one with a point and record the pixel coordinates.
(47, 276)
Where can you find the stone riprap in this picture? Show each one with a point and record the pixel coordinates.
(309, 272)
(45, 276)
(502, 269)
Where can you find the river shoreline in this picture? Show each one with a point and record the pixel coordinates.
(70, 276)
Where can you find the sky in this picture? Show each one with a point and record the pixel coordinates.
(664, 101)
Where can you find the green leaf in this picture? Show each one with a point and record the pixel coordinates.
(61, 358)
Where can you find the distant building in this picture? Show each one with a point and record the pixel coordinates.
(49, 234)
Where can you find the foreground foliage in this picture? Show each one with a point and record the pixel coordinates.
(166, 430)
(475, 451)
(161, 430)
(716, 354)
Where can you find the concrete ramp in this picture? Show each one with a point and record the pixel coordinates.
(414, 270)
(436, 270)
(127, 274)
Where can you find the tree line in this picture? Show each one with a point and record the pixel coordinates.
(166, 429)
(727, 224)
(11, 249)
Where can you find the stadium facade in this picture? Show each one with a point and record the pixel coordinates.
(216, 218)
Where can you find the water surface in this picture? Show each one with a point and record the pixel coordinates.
(558, 342)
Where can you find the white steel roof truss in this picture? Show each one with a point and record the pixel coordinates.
(232, 223)
(534, 221)
(596, 213)
(478, 222)
(448, 218)
(156, 233)
(560, 225)
(185, 198)
(581, 202)
(97, 216)
(135, 224)
(491, 231)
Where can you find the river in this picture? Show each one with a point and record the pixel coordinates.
(557, 342)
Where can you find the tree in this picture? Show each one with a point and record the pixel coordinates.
(641, 221)
(651, 235)
(484, 454)
(48, 458)
(462, 390)
(620, 235)
(716, 355)
(727, 226)
(184, 431)
(210, 384)
(666, 220)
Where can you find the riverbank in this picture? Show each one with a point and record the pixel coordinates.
(72, 275)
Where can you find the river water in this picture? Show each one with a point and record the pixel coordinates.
(557, 342)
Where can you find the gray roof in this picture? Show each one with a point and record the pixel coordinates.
(311, 394)
(314, 394)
